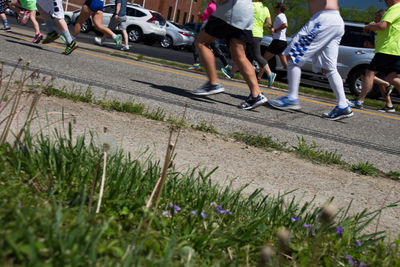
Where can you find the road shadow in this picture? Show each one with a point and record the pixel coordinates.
(30, 45)
(183, 93)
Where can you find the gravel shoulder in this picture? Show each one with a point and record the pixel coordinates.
(274, 172)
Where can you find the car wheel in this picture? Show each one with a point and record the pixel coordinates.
(67, 20)
(355, 81)
(166, 42)
(135, 34)
(86, 26)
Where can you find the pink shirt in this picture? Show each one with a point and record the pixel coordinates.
(209, 10)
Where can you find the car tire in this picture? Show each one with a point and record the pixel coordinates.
(86, 26)
(135, 34)
(166, 42)
(355, 84)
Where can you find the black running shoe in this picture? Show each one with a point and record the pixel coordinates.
(253, 102)
(70, 47)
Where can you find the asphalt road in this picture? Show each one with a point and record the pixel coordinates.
(369, 136)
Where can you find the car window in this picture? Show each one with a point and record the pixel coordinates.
(109, 9)
(133, 12)
(356, 37)
(159, 18)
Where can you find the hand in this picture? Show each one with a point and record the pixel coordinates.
(272, 29)
(367, 29)
(116, 16)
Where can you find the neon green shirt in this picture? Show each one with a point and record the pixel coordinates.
(388, 40)
(261, 12)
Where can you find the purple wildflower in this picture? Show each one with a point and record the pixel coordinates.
(167, 214)
(176, 208)
(229, 212)
(22, 148)
(362, 264)
(294, 218)
(212, 204)
(194, 212)
(306, 225)
(351, 262)
(203, 214)
(358, 243)
(339, 231)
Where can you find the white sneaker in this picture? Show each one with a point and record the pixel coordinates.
(125, 48)
(97, 40)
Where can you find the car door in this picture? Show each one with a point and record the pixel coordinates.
(107, 14)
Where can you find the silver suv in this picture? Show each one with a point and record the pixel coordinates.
(355, 53)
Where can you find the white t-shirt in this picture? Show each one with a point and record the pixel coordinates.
(279, 20)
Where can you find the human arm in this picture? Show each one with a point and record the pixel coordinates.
(283, 26)
(117, 9)
(376, 26)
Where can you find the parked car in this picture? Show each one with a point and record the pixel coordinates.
(177, 36)
(68, 17)
(354, 56)
(142, 24)
(195, 27)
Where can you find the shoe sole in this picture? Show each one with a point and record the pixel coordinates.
(229, 77)
(210, 93)
(72, 50)
(38, 40)
(298, 107)
(340, 117)
(256, 105)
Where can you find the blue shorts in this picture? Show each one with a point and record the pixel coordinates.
(95, 5)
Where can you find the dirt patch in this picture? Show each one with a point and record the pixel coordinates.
(275, 172)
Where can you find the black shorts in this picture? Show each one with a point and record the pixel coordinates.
(276, 47)
(220, 29)
(385, 63)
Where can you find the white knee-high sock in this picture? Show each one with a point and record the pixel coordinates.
(294, 75)
(336, 83)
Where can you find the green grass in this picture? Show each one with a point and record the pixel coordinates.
(44, 198)
(303, 149)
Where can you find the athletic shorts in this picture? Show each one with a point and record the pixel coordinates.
(52, 7)
(120, 22)
(276, 47)
(95, 5)
(3, 6)
(385, 63)
(318, 41)
(221, 30)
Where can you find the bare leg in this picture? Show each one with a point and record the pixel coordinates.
(283, 60)
(367, 84)
(393, 80)
(85, 14)
(207, 57)
(32, 16)
(237, 48)
(125, 35)
(98, 20)
(266, 69)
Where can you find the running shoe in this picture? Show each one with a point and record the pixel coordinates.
(253, 102)
(227, 70)
(195, 66)
(50, 37)
(118, 40)
(38, 37)
(70, 47)
(125, 48)
(209, 89)
(25, 17)
(388, 109)
(6, 28)
(284, 103)
(271, 79)
(356, 104)
(98, 41)
(338, 113)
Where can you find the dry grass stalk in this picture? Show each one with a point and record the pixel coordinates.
(103, 179)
